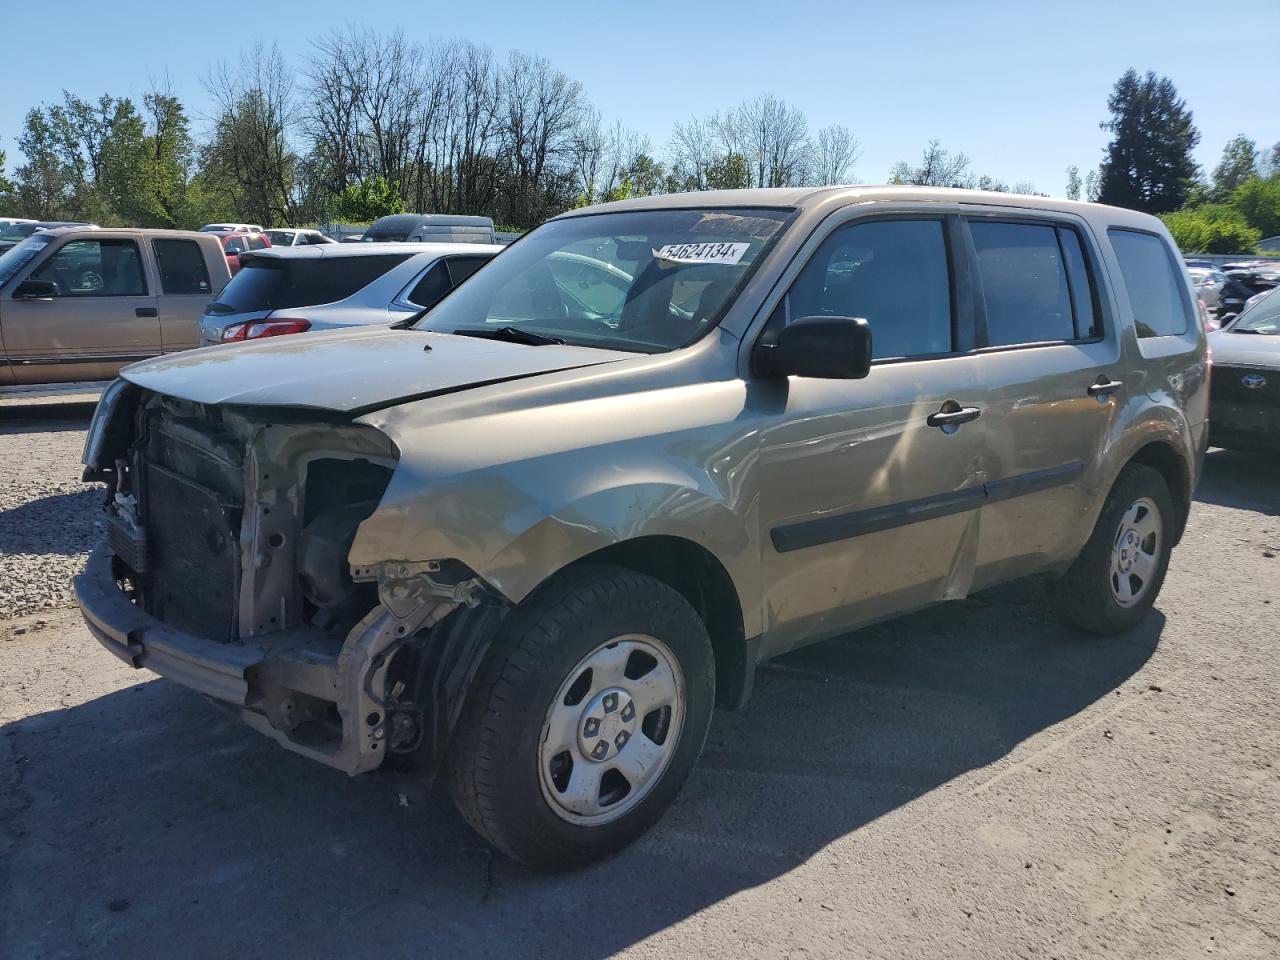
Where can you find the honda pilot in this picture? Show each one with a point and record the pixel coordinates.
(532, 539)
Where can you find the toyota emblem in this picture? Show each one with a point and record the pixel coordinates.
(1254, 381)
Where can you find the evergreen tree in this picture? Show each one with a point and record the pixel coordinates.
(1073, 182)
(1148, 166)
(1239, 163)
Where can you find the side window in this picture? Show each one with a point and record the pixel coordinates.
(892, 273)
(462, 267)
(1084, 299)
(1157, 293)
(432, 288)
(235, 245)
(96, 268)
(1024, 283)
(256, 242)
(182, 267)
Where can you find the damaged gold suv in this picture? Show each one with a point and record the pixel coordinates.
(534, 536)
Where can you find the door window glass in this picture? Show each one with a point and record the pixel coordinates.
(182, 267)
(1024, 283)
(893, 274)
(1159, 298)
(95, 268)
(1083, 295)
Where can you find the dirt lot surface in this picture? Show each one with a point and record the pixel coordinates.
(973, 781)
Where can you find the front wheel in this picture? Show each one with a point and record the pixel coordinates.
(1116, 578)
(586, 718)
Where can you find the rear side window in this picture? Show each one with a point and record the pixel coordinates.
(893, 274)
(275, 283)
(1157, 293)
(462, 267)
(1024, 283)
(433, 286)
(182, 267)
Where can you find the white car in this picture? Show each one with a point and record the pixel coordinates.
(1208, 281)
(290, 237)
(284, 290)
(231, 228)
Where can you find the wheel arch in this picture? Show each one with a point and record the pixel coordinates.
(696, 574)
(1165, 459)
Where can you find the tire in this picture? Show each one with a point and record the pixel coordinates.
(642, 643)
(1091, 595)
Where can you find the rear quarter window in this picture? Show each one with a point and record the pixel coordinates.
(270, 283)
(1157, 293)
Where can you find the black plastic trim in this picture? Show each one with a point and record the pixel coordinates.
(844, 526)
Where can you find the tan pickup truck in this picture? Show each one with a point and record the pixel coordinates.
(77, 304)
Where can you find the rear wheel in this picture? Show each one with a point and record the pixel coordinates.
(1116, 578)
(586, 718)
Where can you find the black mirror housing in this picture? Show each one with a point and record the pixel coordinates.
(825, 348)
(35, 290)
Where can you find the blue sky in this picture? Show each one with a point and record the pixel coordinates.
(1020, 87)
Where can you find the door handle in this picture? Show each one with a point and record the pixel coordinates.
(146, 312)
(951, 415)
(1104, 387)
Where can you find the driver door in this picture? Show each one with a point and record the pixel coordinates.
(869, 503)
(102, 314)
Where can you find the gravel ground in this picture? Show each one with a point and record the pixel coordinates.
(47, 515)
(970, 781)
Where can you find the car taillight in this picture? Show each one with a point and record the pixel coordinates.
(257, 329)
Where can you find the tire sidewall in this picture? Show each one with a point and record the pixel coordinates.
(528, 821)
(1135, 482)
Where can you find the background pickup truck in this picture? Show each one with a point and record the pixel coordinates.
(78, 304)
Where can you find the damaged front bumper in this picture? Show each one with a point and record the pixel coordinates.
(313, 696)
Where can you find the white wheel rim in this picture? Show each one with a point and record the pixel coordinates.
(612, 729)
(1135, 553)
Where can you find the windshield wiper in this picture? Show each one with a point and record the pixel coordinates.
(511, 333)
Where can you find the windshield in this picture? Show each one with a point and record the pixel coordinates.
(1262, 317)
(15, 258)
(16, 231)
(643, 280)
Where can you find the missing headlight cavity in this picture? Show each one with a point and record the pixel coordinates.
(338, 496)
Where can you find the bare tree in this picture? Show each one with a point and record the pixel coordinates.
(938, 168)
(835, 151)
(541, 110)
(250, 153)
(691, 151)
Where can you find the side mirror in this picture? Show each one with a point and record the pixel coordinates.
(36, 290)
(827, 348)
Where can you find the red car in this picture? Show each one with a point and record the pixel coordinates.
(234, 244)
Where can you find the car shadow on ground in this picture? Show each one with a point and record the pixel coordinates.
(145, 822)
(61, 524)
(1245, 481)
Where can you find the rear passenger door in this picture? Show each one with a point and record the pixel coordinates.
(101, 316)
(184, 290)
(1049, 363)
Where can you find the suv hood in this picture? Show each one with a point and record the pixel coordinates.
(1253, 349)
(351, 370)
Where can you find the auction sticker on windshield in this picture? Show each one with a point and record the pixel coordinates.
(702, 252)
